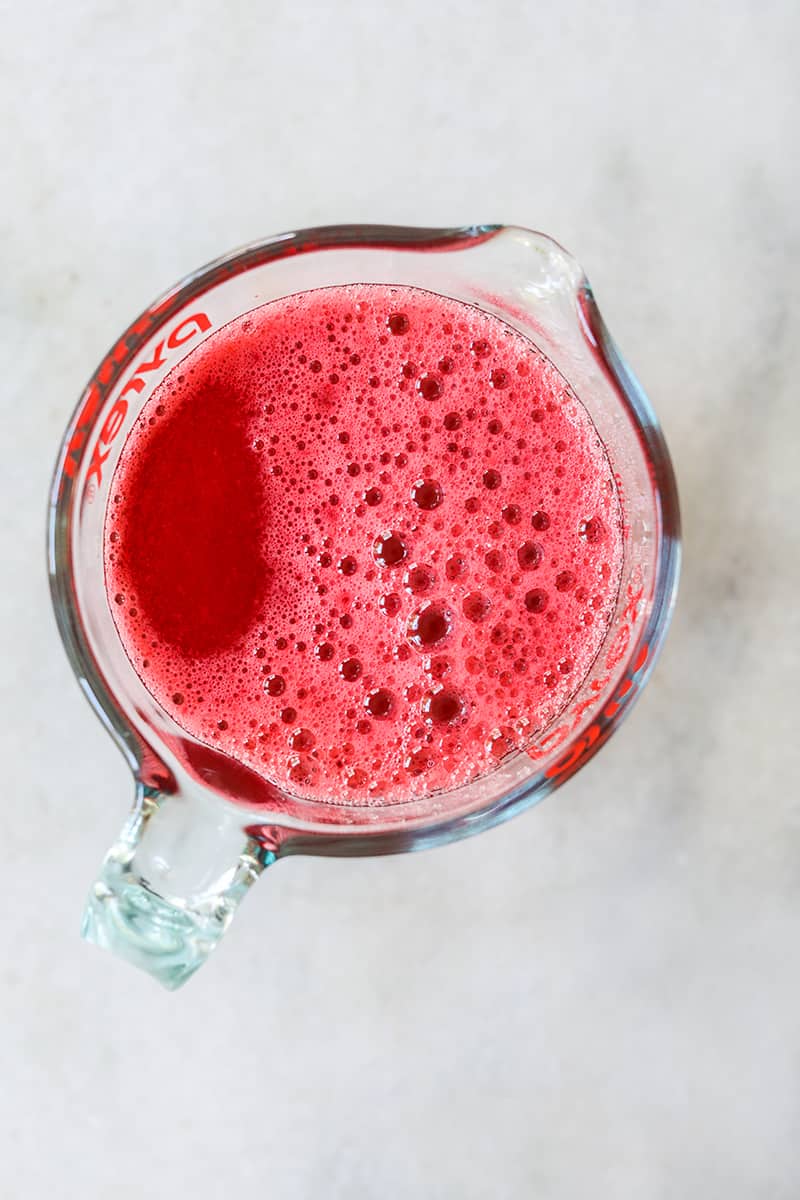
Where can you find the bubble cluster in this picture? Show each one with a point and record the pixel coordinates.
(383, 549)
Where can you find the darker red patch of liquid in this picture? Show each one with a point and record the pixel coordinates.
(193, 521)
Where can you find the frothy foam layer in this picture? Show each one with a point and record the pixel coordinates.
(364, 540)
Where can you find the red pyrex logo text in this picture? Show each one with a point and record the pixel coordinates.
(188, 328)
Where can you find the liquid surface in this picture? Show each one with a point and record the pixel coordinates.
(364, 540)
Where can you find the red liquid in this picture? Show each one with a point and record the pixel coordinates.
(364, 540)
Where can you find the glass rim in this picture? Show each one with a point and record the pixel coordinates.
(585, 739)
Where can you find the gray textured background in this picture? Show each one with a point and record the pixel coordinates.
(601, 999)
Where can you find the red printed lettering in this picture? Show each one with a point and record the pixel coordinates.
(197, 323)
(182, 333)
(156, 363)
(571, 760)
(114, 420)
(96, 465)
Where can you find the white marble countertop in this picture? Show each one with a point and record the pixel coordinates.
(601, 998)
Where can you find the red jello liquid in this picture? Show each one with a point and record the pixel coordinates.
(364, 540)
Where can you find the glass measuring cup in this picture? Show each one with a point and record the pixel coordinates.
(203, 825)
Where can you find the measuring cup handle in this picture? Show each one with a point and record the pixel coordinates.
(170, 885)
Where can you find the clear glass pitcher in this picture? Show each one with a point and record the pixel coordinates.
(204, 826)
